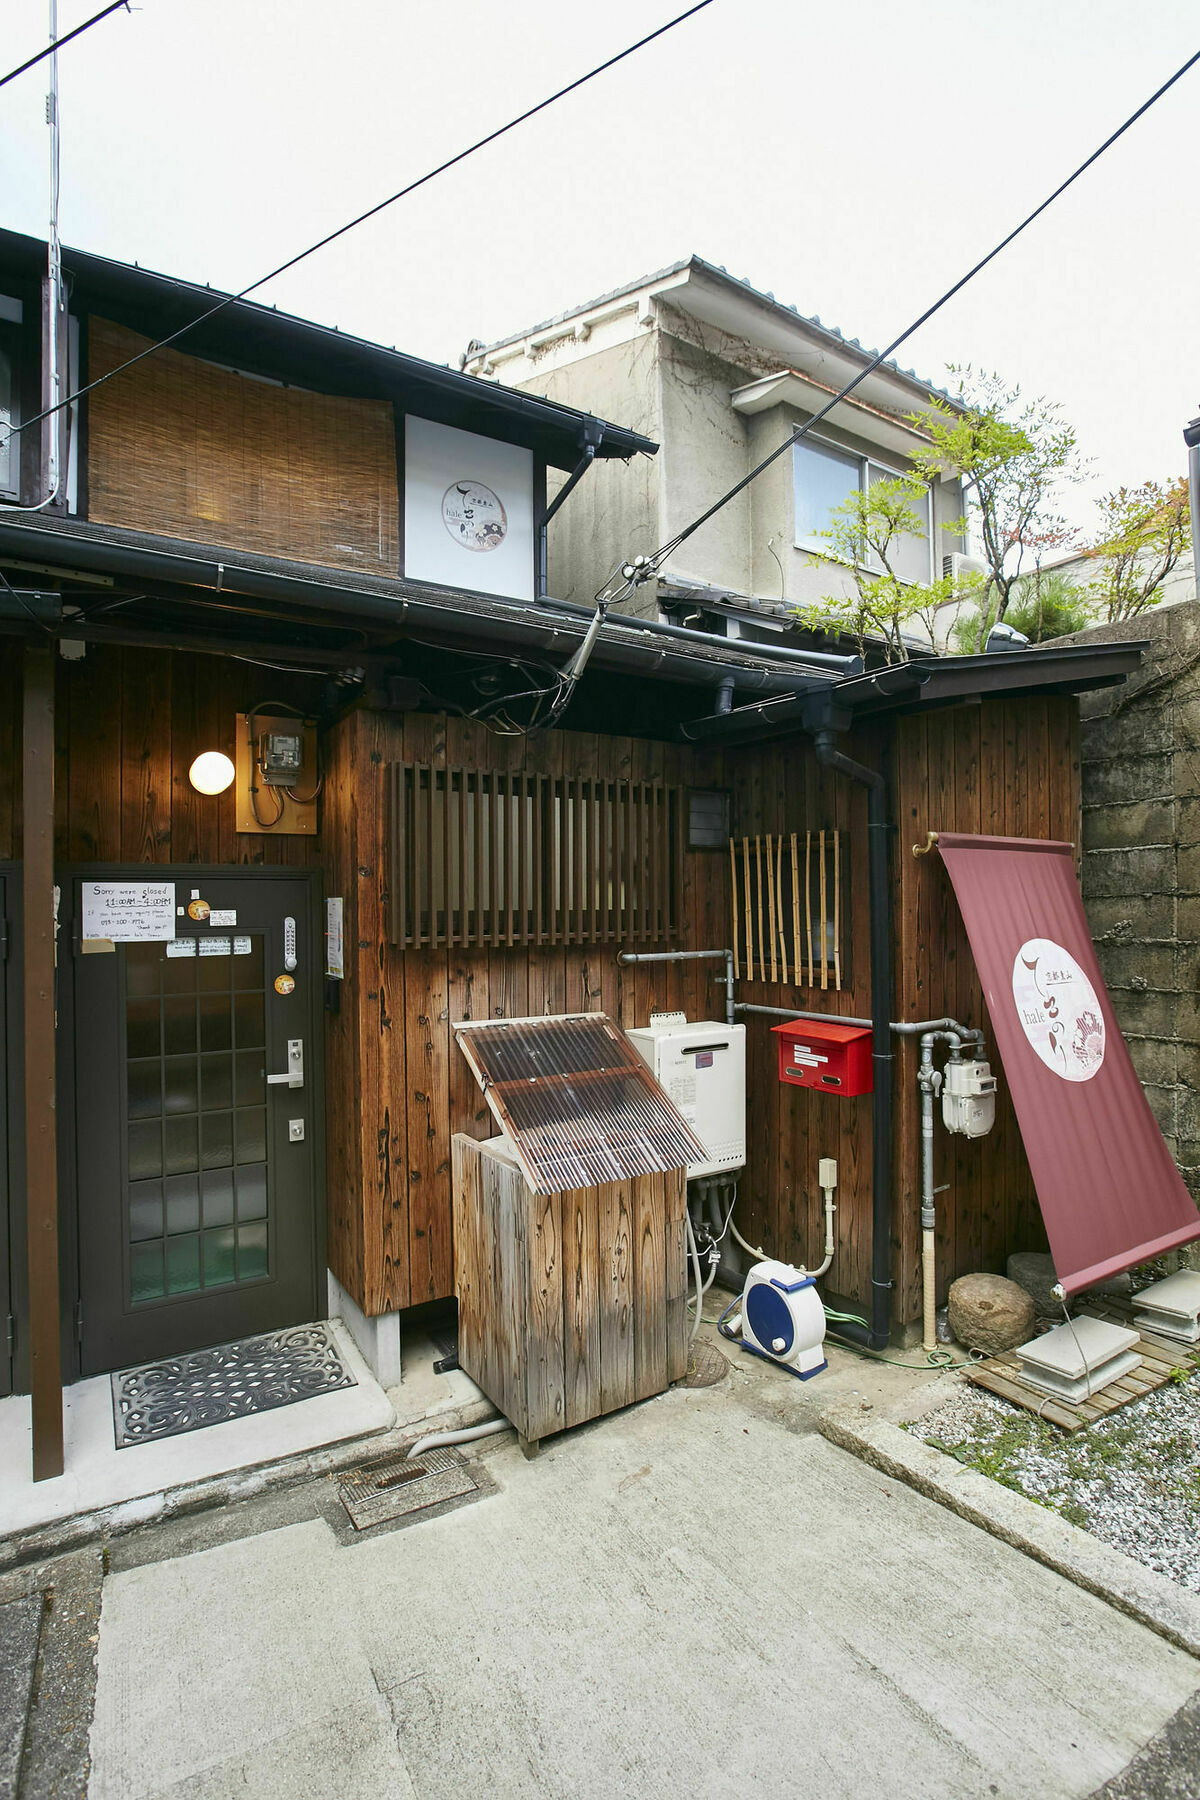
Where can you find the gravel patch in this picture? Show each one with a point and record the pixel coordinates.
(1132, 1479)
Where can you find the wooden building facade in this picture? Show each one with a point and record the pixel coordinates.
(197, 1178)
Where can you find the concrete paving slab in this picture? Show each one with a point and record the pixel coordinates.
(56, 1753)
(1172, 1611)
(691, 1596)
(19, 1624)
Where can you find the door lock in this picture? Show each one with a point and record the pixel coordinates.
(293, 1075)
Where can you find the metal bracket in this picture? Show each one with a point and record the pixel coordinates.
(931, 838)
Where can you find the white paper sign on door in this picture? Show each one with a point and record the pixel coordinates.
(129, 912)
(335, 960)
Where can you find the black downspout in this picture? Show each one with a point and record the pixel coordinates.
(879, 886)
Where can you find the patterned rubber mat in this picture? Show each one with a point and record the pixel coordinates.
(207, 1387)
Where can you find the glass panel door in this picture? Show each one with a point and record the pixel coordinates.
(195, 1172)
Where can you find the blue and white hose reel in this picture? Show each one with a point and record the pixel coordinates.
(783, 1319)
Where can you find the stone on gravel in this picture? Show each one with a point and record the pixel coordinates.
(990, 1313)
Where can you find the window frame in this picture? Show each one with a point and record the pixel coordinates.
(865, 463)
(11, 348)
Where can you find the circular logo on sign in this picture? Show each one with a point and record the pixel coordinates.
(284, 984)
(474, 516)
(198, 909)
(1058, 1009)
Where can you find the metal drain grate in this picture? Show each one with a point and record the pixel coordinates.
(706, 1366)
(394, 1486)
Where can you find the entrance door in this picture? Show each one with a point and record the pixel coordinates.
(197, 1102)
(10, 1174)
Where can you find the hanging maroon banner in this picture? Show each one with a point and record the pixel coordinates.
(1106, 1182)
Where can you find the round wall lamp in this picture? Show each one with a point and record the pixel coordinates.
(211, 773)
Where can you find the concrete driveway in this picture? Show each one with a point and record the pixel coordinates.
(699, 1597)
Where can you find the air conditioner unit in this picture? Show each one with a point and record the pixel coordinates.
(955, 566)
(702, 1069)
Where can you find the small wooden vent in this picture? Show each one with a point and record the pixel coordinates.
(489, 858)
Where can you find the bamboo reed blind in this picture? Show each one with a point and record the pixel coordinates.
(488, 858)
(789, 907)
(184, 448)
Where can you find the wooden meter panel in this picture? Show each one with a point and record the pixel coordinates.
(273, 797)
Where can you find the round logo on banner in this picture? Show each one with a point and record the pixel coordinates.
(1058, 1009)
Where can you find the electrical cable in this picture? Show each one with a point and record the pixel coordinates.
(644, 567)
(65, 39)
(371, 212)
(23, 603)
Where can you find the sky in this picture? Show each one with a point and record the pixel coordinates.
(854, 160)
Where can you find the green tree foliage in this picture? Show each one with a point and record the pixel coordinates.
(1012, 455)
(1043, 605)
(863, 537)
(1145, 531)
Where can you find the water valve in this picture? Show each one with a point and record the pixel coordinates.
(969, 1098)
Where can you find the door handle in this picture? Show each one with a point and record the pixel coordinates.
(293, 1075)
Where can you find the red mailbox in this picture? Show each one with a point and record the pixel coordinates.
(836, 1059)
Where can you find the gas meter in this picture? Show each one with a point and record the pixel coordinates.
(968, 1098)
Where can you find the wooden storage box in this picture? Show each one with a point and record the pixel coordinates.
(569, 1305)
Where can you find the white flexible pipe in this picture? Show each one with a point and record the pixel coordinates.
(695, 1256)
(761, 1255)
(750, 1249)
(437, 1438)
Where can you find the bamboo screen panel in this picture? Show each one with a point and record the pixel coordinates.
(789, 908)
(483, 857)
(577, 1103)
(183, 448)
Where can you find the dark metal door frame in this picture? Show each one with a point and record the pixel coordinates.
(14, 1349)
(313, 1021)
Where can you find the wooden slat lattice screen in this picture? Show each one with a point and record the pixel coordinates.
(487, 858)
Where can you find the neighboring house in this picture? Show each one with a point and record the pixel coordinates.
(720, 374)
(319, 564)
(1081, 570)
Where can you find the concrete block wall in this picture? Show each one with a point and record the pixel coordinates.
(1140, 745)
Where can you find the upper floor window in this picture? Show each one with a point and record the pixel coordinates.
(824, 478)
(10, 455)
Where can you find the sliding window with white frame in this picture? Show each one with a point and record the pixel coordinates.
(824, 477)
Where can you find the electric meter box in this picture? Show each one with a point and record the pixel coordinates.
(702, 1070)
(834, 1059)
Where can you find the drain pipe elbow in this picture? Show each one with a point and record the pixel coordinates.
(469, 1433)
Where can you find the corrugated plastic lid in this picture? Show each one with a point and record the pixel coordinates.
(576, 1102)
(1108, 1187)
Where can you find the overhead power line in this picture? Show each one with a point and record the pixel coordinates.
(643, 568)
(65, 39)
(371, 212)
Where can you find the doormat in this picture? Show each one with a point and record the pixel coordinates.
(207, 1387)
(396, 1485)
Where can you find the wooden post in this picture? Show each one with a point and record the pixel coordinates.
(41, 1156)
